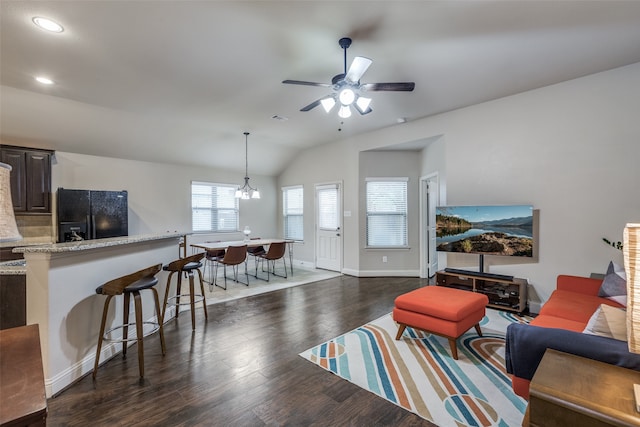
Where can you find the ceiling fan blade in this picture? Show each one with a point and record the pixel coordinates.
(367, 111)
(358, 67)
(313, 105)
(299, 82)
(402, 87)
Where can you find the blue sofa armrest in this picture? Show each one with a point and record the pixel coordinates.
(525, 345)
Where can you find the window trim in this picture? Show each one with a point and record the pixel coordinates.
(284, 214)
(236, 209)
(406, 213)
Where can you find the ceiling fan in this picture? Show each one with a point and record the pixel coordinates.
(347, 89)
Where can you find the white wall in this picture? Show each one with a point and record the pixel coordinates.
(570, 149)
(400, 262)
(160, 194)
(326, 163)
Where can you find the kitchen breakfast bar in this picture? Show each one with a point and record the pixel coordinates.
(61, 282)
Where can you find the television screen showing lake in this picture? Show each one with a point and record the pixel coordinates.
(492, 230)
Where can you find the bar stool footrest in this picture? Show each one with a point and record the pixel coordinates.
(187, 299)
(155, 328)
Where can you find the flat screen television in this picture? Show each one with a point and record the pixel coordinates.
(485, 230)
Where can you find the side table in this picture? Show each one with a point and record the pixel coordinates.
(23, 399)
(569, 390)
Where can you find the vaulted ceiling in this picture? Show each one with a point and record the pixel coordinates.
(180, 81)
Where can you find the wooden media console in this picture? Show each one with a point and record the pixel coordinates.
(504, 294)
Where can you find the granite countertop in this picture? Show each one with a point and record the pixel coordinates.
(93, 244)
(19, 267)
(15, 267)
(24, 242)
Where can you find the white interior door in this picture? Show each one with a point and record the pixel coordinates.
(329, 227)
(429, 201)
(432, 191)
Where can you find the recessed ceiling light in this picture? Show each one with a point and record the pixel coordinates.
(44, 80)
(48, 24)
(281, 118)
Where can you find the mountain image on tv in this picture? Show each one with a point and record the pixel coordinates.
(490, 230)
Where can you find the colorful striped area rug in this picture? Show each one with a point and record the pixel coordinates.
(418, 373)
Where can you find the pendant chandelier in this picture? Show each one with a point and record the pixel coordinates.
(246, 191)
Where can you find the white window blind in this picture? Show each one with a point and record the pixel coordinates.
(327, 207)
(293, 210)
(214, 207)
(386, 212)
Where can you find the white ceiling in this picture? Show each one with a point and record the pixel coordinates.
(180, 81)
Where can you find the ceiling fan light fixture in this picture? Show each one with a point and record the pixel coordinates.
(345, 112)
(44, 80)
(47, 24)
(328, 104)
(363, 103)
(347, 96)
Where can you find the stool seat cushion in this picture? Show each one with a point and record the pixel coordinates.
(442, 302)
(187, 267)
(144, 283)
(138, 285)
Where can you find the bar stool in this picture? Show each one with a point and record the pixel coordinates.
(185, 265)
(128, 285)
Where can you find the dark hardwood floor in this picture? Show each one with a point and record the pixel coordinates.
(241, 367)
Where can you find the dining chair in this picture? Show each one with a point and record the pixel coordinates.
(276, 251)
(212, 256)
(254, 251)
(234, 256)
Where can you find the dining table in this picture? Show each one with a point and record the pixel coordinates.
(251, 243)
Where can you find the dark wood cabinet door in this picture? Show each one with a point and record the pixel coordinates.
(30, 179)
(17, 160)
(38, 181)
(13, 301)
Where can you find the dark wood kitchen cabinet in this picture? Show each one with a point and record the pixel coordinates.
(30, 178)
(13, 300)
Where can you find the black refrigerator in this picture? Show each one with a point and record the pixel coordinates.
(90, 214)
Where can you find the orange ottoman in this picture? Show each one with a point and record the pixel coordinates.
(442, 311)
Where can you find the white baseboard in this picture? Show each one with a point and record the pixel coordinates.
(306, 264)
(381, 273)
(534, 307)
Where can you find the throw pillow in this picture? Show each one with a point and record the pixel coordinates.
(609, 322)
(614, 285)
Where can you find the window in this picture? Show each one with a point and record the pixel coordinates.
(386, 212)
(292, 209)
(328, 207)
(214, 207)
